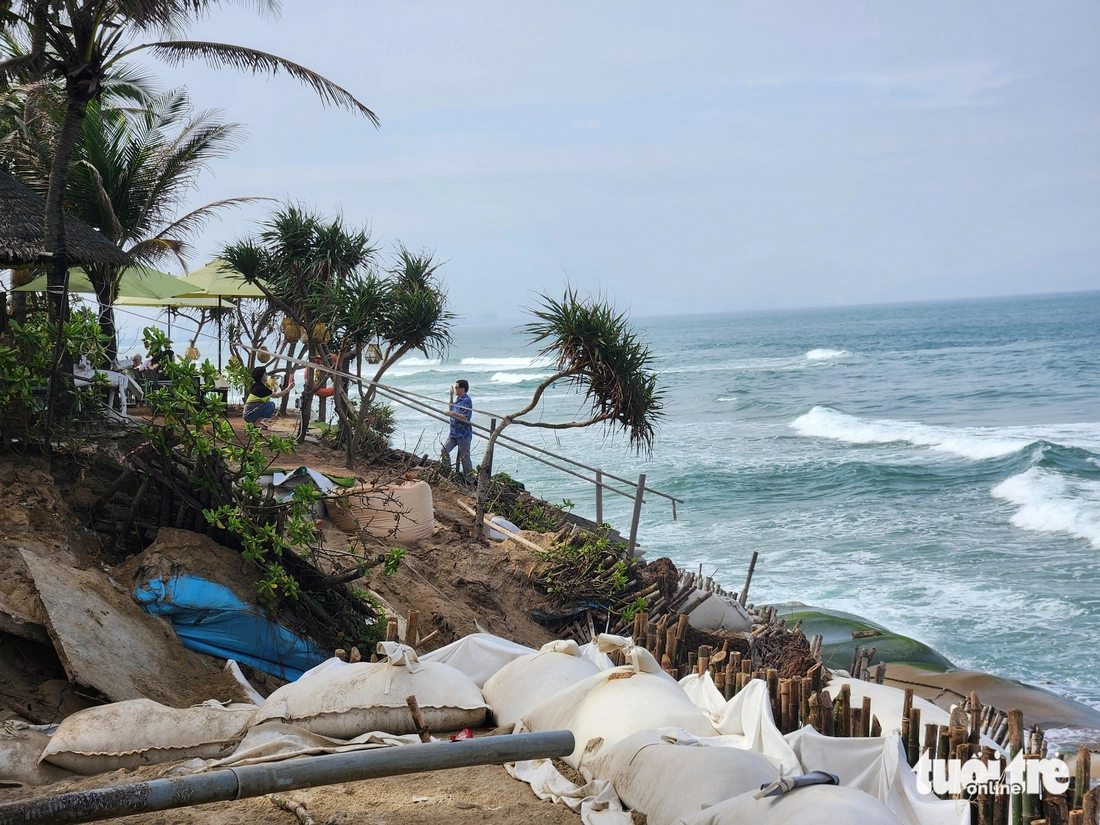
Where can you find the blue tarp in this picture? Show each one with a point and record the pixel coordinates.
(208, 618)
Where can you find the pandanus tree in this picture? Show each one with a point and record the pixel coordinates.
(415, 312)
(79, 42)
(322, 276)
(596, 352)
(309, 268)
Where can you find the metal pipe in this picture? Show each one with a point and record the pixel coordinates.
(257, 780)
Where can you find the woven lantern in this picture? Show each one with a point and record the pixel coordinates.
(191, 354)
(320, 333)
(291, 331)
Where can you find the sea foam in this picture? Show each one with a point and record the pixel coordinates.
(1051, 502)
(976, 443)
(516, 378)
(826, 354)
(486, 364)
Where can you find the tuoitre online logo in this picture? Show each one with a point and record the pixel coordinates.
(953, 776)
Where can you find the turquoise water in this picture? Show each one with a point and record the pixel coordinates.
(934, 468)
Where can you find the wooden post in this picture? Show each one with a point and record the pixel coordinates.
(827, 727)
(730, 684)
(797, 700)
(1015, 745)
(418, 720)
(913, 746)
(412, 627)
(489, 462)
(1090, 804)
(975, 720)
(773, 694)
(391, 629)
(930, 735)
(1030, 802)
(599, 497)
(638, 498)
(857, 722)
(1082, 780)
(785, 706)
(748, 579)
(815, 712)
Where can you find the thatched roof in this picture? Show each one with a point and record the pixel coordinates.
(21, 240)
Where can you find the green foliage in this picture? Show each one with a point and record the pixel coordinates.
(595, 348)
(393, 560)
(589, 567)
(631, 610)
(238, 375)
(200, 431)
(25, 364)
(379, 424)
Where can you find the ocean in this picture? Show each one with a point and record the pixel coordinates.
(934, 468)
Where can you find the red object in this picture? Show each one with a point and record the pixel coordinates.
(465, 733)
(325, 392)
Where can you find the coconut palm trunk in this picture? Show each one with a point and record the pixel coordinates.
(57, 275)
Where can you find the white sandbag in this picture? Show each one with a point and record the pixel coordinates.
(345, 702)
(20, 749)
(668, 774)
(813, 805)
(610, 705)
(877, 766)
(401, 513)
(525, 682)
(143, 732)
(746, 721)
(478, 655)
(718, 612)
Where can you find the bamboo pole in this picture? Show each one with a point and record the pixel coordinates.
(1015, 745)
(412, 627)
(1082, 780)
(914, 736)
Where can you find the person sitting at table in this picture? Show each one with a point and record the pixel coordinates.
(258, 403)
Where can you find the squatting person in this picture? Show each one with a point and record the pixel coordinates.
(258, 405)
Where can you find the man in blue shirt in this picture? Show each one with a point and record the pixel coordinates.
(461, 412)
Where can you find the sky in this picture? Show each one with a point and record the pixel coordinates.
(681, 157)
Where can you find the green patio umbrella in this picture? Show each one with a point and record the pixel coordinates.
(134, 282)
(220, 281)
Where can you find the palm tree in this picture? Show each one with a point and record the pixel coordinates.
(78, 42)
(595, 350)
(132, 168)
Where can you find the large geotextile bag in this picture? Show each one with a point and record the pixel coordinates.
(350, 700)
(143, 732)
(667, 774)
(401, 513)
(20, 751)
(529, 680)
(812, 805)
(610, 705)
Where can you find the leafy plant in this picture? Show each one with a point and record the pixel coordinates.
(589, 568)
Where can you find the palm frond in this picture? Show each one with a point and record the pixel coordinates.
(219, 55)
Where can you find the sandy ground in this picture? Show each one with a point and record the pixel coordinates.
(464, 796)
